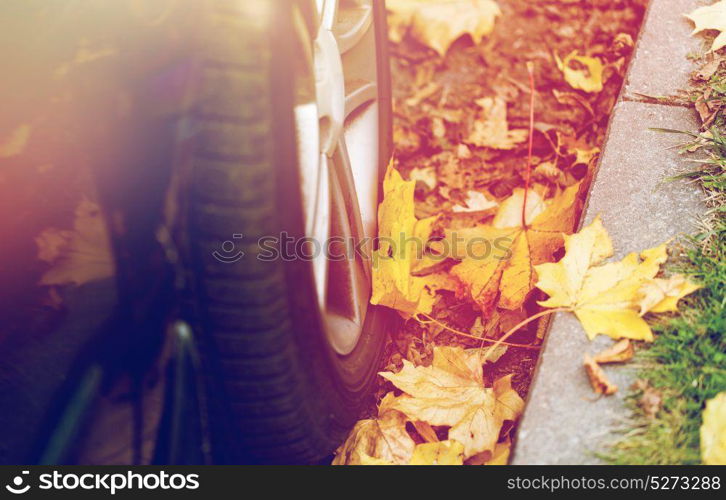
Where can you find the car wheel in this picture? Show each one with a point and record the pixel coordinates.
(285, 145)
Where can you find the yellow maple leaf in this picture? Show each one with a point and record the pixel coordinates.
(366, 459)
(500, 456)
(441, 453)
(711, 17)
(438, 23)
(662, 295)
(438, 453)
(451, 393)
(402, 239)
(509, 271)
(604, 298)
(584, 156)
(383, 439)
(78, 256)
(587, 76)
(713, 431)
(491, 130)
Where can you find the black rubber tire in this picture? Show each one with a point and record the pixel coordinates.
(277, 393)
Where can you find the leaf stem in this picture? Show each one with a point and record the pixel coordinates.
(469, 336)
(518, 326)
(528, 178)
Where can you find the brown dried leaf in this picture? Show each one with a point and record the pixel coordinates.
(384, 438)
(619, 352)
(708, 69)
(492, 129)
(650, 400)
(549, 172)
(426, 431)
(422, 94)
(599, 382)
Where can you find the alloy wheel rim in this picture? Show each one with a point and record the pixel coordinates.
(336, 118)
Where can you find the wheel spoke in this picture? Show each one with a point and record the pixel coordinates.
(348, 274)
(319, 230)
(357, 94)
(329, 89)
(342, 168)
(328, 10)
(352, 24)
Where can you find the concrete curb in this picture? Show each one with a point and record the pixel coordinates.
(661, 65)
(564, 422)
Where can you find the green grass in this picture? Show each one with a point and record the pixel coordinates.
(687, 361)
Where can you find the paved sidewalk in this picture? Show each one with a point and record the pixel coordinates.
(564, 422)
